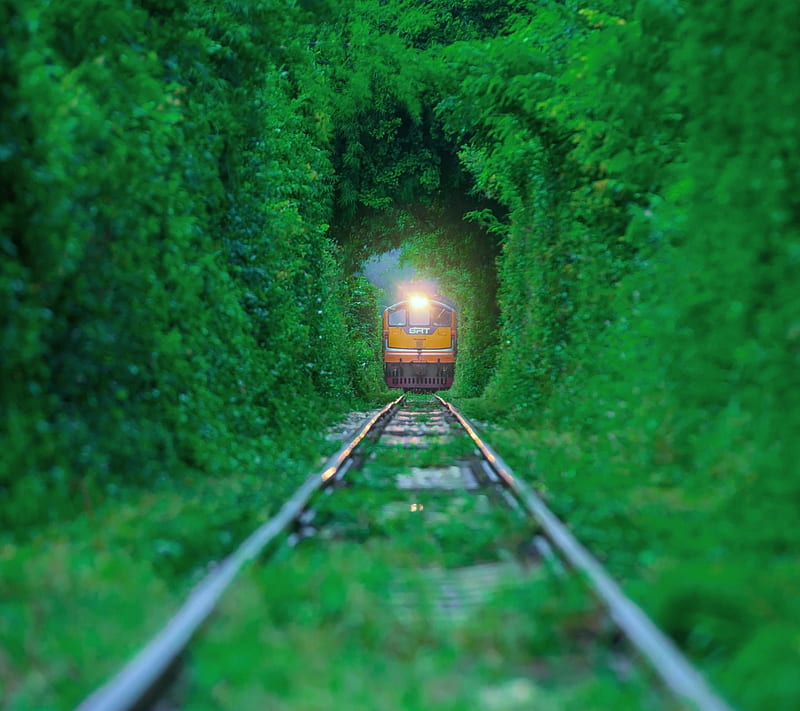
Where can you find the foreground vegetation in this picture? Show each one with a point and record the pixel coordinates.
(650, 309)
(331, 632)
(413, 599)
(193, 185)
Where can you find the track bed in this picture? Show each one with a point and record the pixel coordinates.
(414, 572)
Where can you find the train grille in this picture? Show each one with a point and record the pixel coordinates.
(419, 380)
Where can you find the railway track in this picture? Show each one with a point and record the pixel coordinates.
(458, 536)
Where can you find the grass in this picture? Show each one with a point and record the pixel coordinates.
(77, 599)
(352, 618)
(709, 581)
(349, 618)
(322, 630)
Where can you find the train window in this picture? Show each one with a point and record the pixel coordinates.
(442, 317)
(397, 317)
(420, 318)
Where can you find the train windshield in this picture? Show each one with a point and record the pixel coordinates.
(397, 317)
(420, 317)
(442, 317)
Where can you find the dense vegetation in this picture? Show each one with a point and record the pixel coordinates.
(167, 279)
(192, 184)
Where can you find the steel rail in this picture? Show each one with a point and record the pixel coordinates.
(661, 652)
(142, 673)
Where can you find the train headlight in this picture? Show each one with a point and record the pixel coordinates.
(419, 302)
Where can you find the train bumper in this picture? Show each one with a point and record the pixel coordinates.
(419, 376)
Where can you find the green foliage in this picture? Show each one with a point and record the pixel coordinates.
(168, 285)
(648, 294)
(364, 334)
(173, 303)
(382, 75)
(66, 619)
(80, 598)
(372, 632)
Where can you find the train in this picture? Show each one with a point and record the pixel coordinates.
(419, 344)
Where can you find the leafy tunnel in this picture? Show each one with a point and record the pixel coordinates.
(193, 186)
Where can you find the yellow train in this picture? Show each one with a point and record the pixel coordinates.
(419, 344)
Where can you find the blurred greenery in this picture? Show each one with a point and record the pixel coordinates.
(378, 610)
(608, 191)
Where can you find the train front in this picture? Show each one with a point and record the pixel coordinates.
(419, 344)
